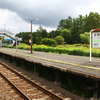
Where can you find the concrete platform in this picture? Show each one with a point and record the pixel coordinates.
(68, 63)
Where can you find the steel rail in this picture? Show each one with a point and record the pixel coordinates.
(51, 94)
(14, 86)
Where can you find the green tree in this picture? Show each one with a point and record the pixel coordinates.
(65, 23)
(38, 40)
(77, 28)
(85, 38)
(25, 36)
(66, 34)
(75, 25)
(92, 21)
(39, 34)
(42, 32)
(36, 37)
(53, 34)
(49, 41)
(59, 40)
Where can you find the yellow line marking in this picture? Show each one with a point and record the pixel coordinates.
(88, 58)
(57, 61)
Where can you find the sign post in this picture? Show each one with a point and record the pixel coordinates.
(16, 43)
(95, 40)
(0, 43)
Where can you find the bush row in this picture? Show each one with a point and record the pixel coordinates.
(66, 51)
(81, 51)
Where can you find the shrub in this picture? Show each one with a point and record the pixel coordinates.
(66, 34)
(9, 46)
(48, 41)
(59, 40)
(85, 38)
(38, 40)
(67, 49)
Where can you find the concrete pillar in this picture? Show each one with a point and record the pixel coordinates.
(36, 69)
(14, 61)
(22, 64)
(10, 59)
(96, 89)
(57, 78)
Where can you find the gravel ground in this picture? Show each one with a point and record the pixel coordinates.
(5, 95)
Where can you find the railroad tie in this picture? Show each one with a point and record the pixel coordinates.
(29, 90)
(44, 98)
(38, 93)
(67, 99)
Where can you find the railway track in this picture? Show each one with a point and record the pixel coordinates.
(23, 88)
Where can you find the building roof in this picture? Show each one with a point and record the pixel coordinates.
(9, 40)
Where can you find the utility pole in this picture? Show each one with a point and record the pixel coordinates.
(31, 31)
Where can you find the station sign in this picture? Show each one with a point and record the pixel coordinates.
(96, 39)
(20, 39)
(29, 40)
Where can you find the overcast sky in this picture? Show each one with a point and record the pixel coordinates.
(49, 12)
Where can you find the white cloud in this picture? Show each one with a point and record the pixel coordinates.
(12, 22)
(49, 12)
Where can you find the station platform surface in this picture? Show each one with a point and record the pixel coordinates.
(69, 63)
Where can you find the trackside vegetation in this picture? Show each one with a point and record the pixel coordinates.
(76, 49)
